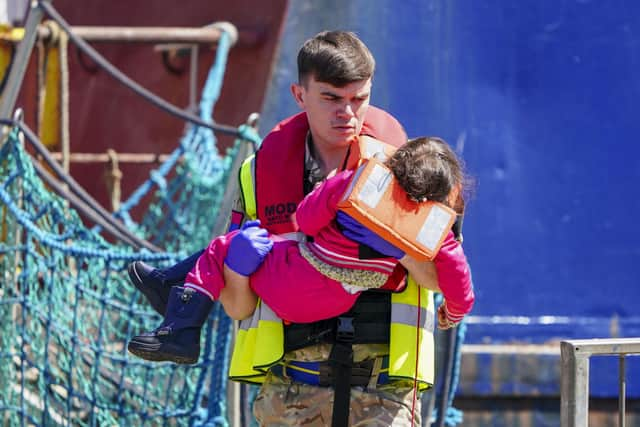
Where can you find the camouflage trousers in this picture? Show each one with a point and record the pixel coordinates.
(282, 403)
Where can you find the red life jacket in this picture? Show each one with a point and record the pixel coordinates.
(279, 167)
(279, 171)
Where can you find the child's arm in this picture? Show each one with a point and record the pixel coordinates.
(454, 278)
(318, 208)
(423, 272)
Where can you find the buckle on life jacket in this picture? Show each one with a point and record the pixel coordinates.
(366, 323)
(345, 332)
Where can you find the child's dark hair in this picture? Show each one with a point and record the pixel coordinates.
(335, 57)
(428, 169)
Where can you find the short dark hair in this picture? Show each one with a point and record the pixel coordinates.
(428, 169)
(335, 57)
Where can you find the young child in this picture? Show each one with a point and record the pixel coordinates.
(321, 278)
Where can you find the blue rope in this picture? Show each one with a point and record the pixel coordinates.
(452, 416)
(196, 135)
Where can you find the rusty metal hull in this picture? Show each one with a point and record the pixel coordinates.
(105, 115)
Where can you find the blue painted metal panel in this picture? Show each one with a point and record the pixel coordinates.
(541, 98)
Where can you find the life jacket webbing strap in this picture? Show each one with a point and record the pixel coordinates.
(371, 318)
(341, 361)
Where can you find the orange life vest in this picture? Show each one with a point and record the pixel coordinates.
(376, 200)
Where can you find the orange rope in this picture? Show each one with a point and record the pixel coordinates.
(415, 377)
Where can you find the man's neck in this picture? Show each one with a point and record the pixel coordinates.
(328, 158)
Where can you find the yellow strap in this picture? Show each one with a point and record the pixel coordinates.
(375, 373)
(299, 368)
(9, 36)
(5, 59)
(50, 120)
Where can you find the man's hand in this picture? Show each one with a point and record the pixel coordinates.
(248, 248)
(357, 232)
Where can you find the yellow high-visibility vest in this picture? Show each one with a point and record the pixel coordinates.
(259, 343)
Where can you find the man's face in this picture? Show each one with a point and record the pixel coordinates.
(335, 114)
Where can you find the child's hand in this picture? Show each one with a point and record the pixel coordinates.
(248, 248)
(444, 320)
(357, 232)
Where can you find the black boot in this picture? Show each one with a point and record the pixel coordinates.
(155, 283)
(178, 337)
(150, 281)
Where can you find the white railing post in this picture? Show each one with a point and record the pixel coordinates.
(574, 387)
(574, 376)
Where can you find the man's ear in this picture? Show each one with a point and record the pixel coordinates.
(299, 94)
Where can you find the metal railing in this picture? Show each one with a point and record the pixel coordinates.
(574, 378)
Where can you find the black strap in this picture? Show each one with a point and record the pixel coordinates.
(301, 335)
(457, 227)
(371, 317)
(341, 361)
(366, 322)
(361, 374)
(367, 252)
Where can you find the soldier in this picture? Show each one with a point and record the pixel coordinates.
(367, 366)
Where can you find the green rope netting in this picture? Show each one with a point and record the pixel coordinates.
(67, 311)
(67, 308)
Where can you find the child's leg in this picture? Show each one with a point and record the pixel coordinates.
(212, 277)
(207, 275)
(237, 298)
(177, 339)
(155, 283)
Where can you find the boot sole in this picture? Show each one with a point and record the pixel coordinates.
(153, 354)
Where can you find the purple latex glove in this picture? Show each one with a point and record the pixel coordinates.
(248, 248)
(357, 232)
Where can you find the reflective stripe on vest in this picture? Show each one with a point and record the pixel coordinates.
(247, 186)
(412, 312)
(259, 344)
(260, 340)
